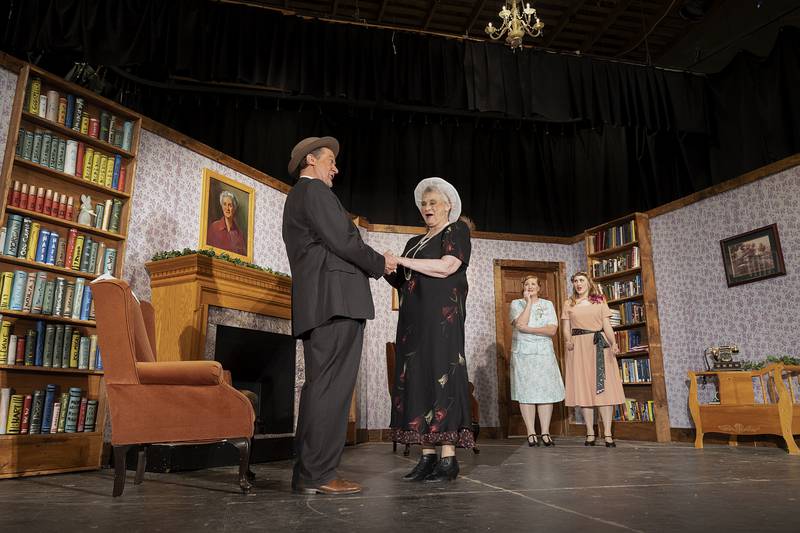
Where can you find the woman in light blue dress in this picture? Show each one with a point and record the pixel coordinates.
(535, 377)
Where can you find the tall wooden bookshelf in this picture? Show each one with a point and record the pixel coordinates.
(620, 259)
(46, 453)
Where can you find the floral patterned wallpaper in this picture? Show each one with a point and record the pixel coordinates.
(696, 307)
(8, 86)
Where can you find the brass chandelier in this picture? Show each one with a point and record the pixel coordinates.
(516, 24)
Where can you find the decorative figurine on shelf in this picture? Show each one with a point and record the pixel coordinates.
(722, 357)
(86, 214)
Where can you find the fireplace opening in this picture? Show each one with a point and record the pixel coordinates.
(263, 363)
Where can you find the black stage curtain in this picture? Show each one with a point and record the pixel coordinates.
(240, 44)
(580, 141)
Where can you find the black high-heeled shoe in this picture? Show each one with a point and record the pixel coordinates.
(446, 470)
(533, 441)
(610, 444)
(426, 464)
(549, 442)
(588, 442)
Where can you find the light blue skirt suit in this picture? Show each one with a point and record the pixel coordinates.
(535, 376)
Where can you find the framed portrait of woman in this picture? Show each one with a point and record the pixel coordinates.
(226, 216)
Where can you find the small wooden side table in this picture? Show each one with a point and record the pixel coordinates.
(737, 412)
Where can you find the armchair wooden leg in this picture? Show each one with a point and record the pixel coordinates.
(407, 450)
(141, 463)
(120, 452)
(243, 445)
(394, 446)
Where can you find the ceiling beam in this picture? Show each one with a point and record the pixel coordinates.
(431, 11)
(565, 18)
(473, 18)
(612, 17)
(382, 11)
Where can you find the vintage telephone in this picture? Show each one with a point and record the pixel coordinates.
(722, 357)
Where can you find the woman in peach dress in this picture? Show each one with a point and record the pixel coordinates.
(592, 377)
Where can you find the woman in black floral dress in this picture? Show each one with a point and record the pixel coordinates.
(430, 400)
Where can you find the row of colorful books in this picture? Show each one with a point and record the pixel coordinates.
(55, 204)
(45, 411)
(635, 411)
(630, 340)
(622, 288)
(38, 293)
(25, 238)
(72, 112)
(627, 313)
(613, 237)
(635, 370)
(619, 263)
(49, 346)
(71, 157)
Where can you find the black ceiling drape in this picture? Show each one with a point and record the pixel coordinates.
(577, 141)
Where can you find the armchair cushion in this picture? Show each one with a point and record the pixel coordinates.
(180, 373)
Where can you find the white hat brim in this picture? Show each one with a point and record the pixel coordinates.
(446, 188)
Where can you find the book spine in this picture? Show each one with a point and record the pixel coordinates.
(91, 265)
(5, 340)
(49, 343)
(24, 238)
(35, 89)
(101, 256)
(41, 247)
(116, 212)
(115, 172)
(27, 147)
(62, 412)
(122, 172)
(30, 348)
(56, 415)
(101, 174)
(80, 158)
(13, 228)
(58, 297)
(25, 422)
(99, 210)
(69, 114)
(96, 160)
(52, 248)
(109, 175)
(38, 292)
(73, 409)
(83, 353)
(39, 349)
(127, 135)
(85, 255)
(15, 406)
(91, 415)
(77, 114)
(61, 155)
(82, 415)
(27, 301)
(69, 297)
(77, 253)
(58, 345)
(110, 261)
(20, 354)
(106, 214)
(47, 412)
(12, 350)
(74, 349)
(65, 349)
(44, 147)
(86, 303)
(92, 351)
(37, 146)
(69, 251)
(77, 299)
(18, 290)
(5, 400)
(7, 280)
(88, 156)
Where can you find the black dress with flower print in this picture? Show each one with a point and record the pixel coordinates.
(431, 400)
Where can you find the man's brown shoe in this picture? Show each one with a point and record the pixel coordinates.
(334, 487)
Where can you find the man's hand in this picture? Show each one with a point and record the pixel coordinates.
(391, 262)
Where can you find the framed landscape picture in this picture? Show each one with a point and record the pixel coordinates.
(226, 216)
(753, 256)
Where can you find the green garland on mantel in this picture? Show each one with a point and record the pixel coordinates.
(170, 254)
(758, 365)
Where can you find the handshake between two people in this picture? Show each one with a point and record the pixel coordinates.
(392, 262)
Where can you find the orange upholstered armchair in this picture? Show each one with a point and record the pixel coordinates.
(166, 402)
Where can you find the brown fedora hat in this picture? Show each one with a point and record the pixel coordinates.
(308, 145)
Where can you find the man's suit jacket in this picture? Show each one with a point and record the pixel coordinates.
(329, 261)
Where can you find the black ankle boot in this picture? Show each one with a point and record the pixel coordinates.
(425, 466)
(446, 470)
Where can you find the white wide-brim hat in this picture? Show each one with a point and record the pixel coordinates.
(446, 189)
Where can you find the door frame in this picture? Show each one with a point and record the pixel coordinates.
(504, 352)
